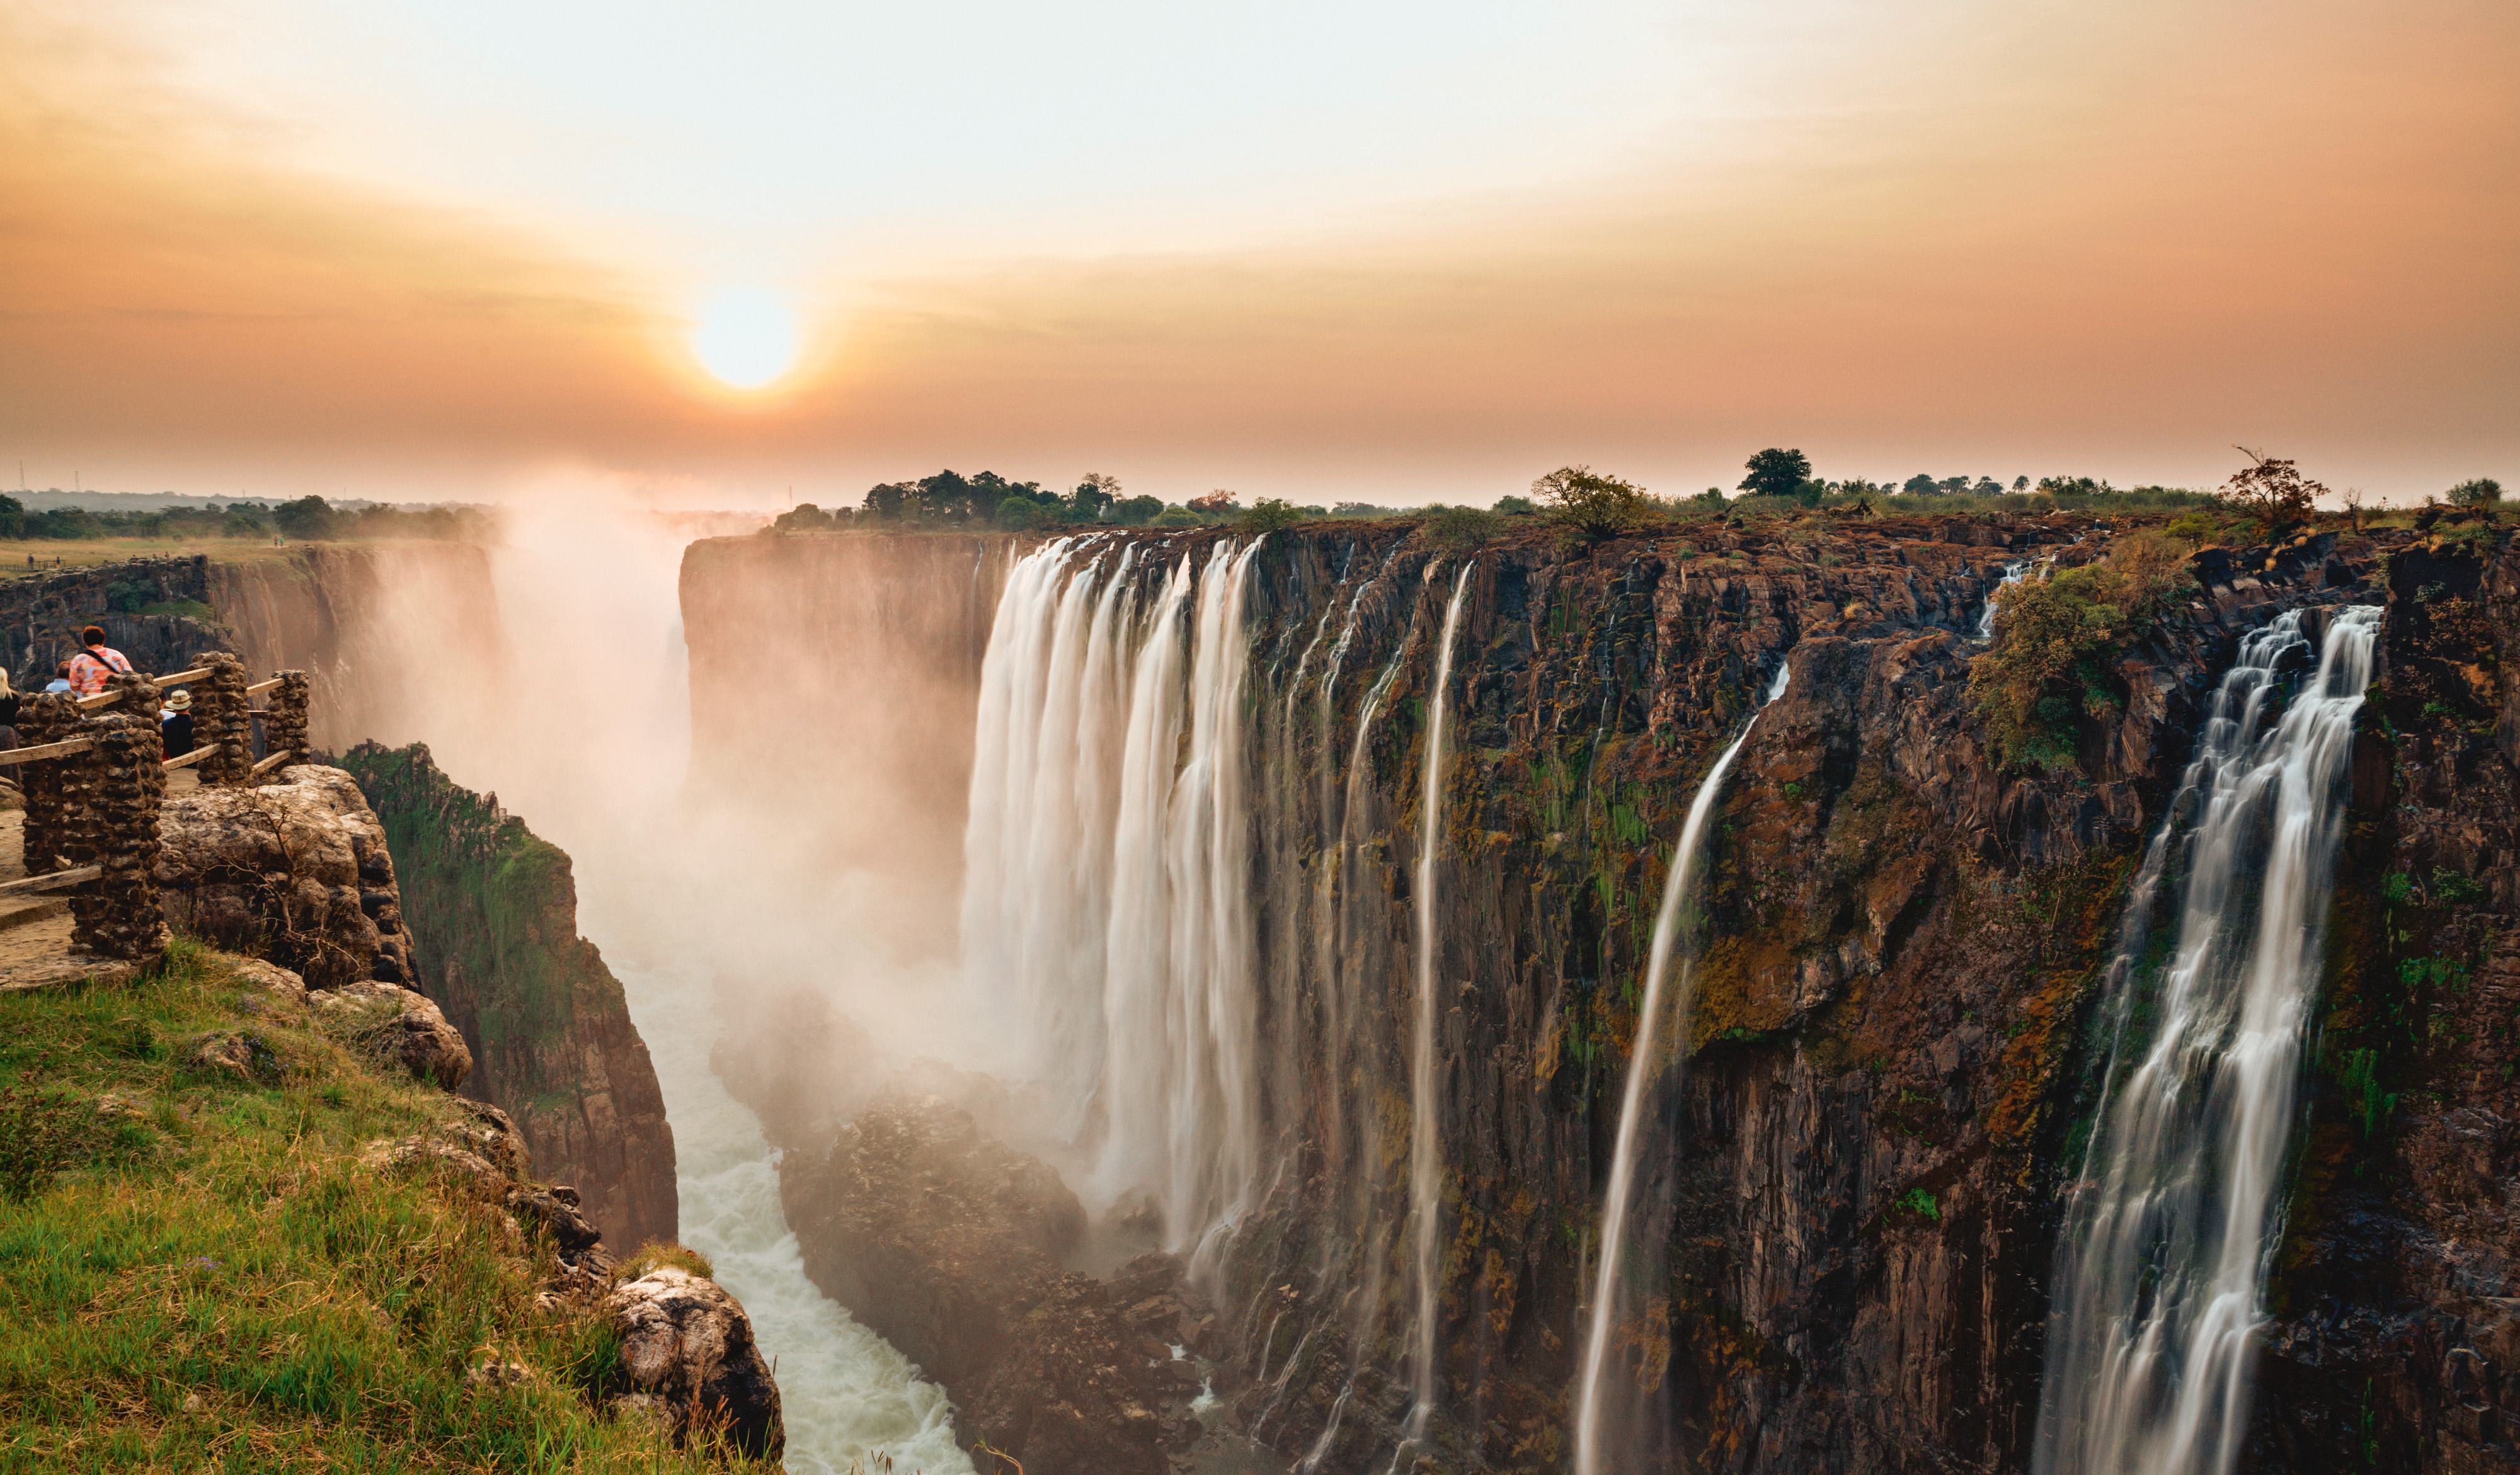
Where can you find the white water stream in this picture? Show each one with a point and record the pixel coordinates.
(1611, 1287)
(1426, 1104)
(590, 752)
(2161, 1267)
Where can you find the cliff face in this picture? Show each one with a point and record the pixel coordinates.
(1888, 1055)
(494, 913)
(400, 639)
(157, 612)
(2397, 1338)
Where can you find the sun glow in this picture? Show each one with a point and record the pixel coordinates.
(746, 336)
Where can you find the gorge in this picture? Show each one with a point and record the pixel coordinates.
(1473, 1007)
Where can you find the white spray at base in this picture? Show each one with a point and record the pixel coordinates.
(1641, 1067)
(2171, 1229)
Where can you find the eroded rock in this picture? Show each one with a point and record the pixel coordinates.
(688, 1349)
(282, 871)
(401, 1026)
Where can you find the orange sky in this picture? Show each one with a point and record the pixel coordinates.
(2291, 226)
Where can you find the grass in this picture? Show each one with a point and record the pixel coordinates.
(215, 1276)
(86, 552)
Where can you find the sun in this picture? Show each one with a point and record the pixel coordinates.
(746, 336)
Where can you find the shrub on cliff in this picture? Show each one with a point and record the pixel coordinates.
(2484, 491)
(1461, 529)
(2057, 646)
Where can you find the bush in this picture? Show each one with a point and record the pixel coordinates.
(2057, 644)
(655, 1255)
(1588, 505)
(1461, 529)
(1177, 516)
(803, 517)
(1019, 513)
(1514, 507)
(2484, 491)
(1270, 513)
(1137, 511)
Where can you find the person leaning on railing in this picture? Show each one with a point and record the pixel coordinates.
(96, 663)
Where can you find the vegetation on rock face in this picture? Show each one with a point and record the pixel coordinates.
(212, 1273)
(2484, 491)
(2056, 648)
(493, 911)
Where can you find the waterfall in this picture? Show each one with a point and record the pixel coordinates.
(1426, 1107)
(1107, 866)
(1616, 1204)
(2171, 1229)
(2012, 574)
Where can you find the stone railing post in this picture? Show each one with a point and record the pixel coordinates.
(47, 782)
(118, 915)
(284, 728)
(222, 714)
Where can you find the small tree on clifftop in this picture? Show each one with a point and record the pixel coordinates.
(1776, 474)
(2273, 492)
(1587, 504)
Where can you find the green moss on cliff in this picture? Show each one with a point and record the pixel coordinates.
(492, 910)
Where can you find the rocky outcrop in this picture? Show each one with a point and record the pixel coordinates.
(400, 1027)
(296, 872)
(687, 1348)
(949, 1244)
(494, 911)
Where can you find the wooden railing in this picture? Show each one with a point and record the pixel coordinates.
(94, 779)
(103, 699)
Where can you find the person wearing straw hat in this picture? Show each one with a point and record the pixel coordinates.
(175, 724)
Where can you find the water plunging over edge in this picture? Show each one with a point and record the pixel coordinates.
(1425, 1168)
(2171, 1229)
(1640, 1066)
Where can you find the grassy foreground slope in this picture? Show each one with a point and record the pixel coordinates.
(198, 1270)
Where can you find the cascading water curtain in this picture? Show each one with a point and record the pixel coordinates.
(2169, 1233)
(1105, 861)
(1615, 1429)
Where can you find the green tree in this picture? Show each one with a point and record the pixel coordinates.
(2484, 491)
(305, 517)
(1461, 529)
(1921, 485)
(1776, 472)
(1094, 496)
(1137, 511)
(2273, 493)
(1270, 513)
(1587, 504)
(803, 517)
(1514, 507)
(1018, 512)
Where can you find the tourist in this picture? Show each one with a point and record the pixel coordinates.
(61, 681)
(175, 724)
(8, 700)
(96, 663)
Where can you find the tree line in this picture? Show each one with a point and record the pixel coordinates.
(306, 517)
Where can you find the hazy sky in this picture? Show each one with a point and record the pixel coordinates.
(1392, 251)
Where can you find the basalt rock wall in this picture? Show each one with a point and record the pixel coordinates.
(494, 909)
(1887, 1062)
